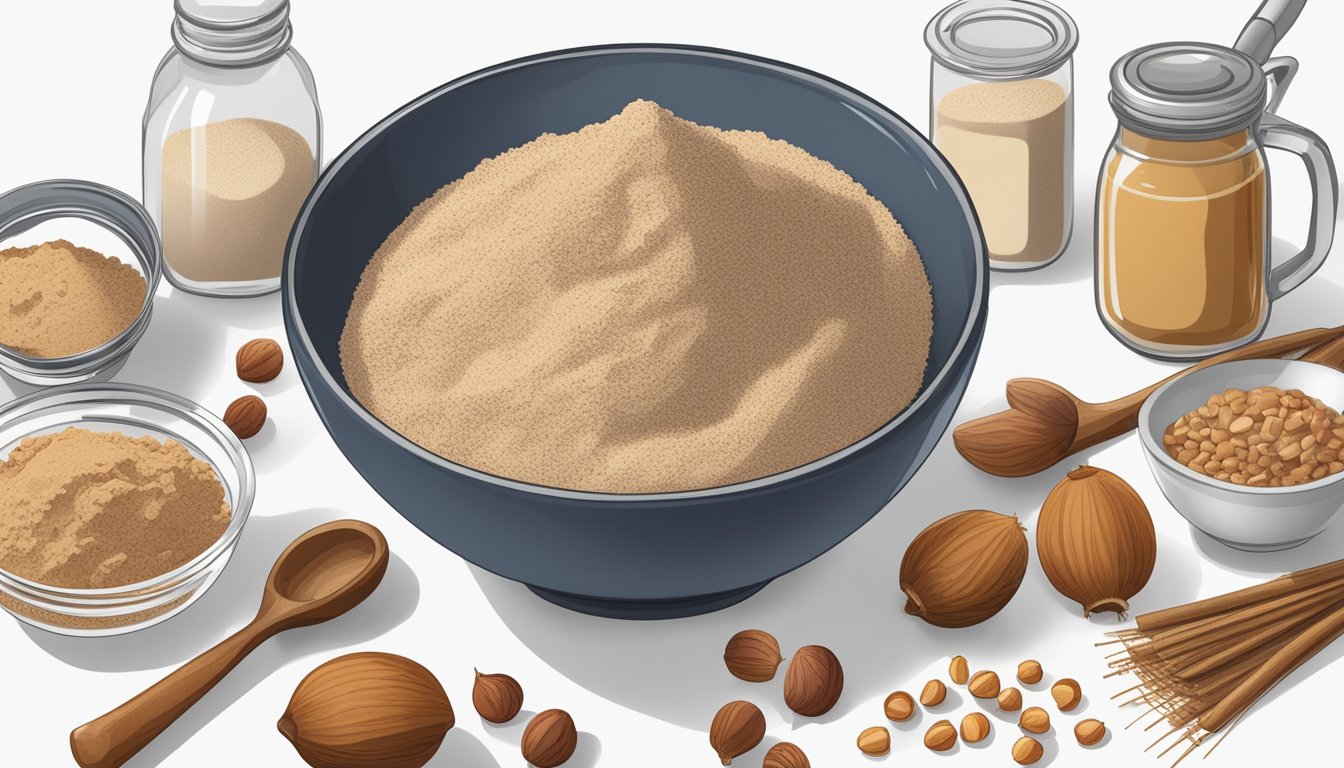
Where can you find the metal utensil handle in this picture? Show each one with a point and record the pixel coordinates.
(1270, 23)
(1278, 133)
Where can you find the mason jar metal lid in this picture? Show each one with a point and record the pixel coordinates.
(1189, 91)
(1001, 39)
(232, 33)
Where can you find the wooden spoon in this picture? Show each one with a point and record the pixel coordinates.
(1046, 423)
(321, 575)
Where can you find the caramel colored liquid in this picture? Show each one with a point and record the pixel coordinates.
(1182, 239)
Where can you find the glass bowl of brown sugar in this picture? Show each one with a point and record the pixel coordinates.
(68, 313)
(120, 506)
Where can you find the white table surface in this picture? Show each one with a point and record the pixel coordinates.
(75, 77)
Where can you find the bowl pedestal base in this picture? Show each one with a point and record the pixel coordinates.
(645, 610)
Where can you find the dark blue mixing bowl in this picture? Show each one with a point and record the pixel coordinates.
(649, 555)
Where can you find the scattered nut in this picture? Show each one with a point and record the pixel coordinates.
(933, 694)
(737, 728)
(941, 736)
(550, 738)
(497, 698)
(1027, 751)
(899, 706)
(785, 755)
(1066, 693)
(752, 655)
(875, 741)
(245, 416)
(813, 682)
(1035, 720)
(1010, 700)
(974, 727)
(984, 685)
(259, 360)
(958, 670)
(1029, 672)
(1089, 732)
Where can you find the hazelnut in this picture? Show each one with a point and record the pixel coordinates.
(1089, 732)
(899, 706)
(875, 741)
(245, 416)
(984, 685)
(1035, 720)
(785, 755)
(737, 728)
(933, 694)
(813, 681)
(259, 360)
(550, 738)
(1010, 700)
(497, 698)
(958, 670)
(941, 736)
(752, 655)
(1029, 672)
(1067, 694)
(1027, 751)
(974, 727)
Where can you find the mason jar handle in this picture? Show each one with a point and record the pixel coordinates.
(1277, 133)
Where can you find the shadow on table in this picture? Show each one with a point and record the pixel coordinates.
(229, 604)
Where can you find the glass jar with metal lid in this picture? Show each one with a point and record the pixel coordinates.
(232, 145)
(1001, 111)
(1183, 226)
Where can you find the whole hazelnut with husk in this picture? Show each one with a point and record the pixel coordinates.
(813, 681)
(1095, 540)
(933, 694)
(737, 728)
(1067, 694)
(941, 736)
(785, 755)
(875, 741)
(964, 568)
(1026, 751)
(1010, 700)
(1034, 720)
(984, 685)
(752, 655)
(899, 706)
(1029, 672)
(1089, 732)
(958, 670)
(974, 727)
(368, 710)
(550, 739)
(497, 698)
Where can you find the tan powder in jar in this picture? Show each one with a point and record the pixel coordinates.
(57, 299)
(645, 305)
(91, 510)
(1009, 143)
(231, 190)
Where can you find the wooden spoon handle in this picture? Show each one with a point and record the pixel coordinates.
(1099, 422)
(115, 737)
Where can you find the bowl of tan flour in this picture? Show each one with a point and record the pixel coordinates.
(642, 327)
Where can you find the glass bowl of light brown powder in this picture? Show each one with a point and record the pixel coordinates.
(71, 313)
(119, 506)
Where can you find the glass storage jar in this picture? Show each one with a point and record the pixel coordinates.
(1001, 111)
(1183, 225)
(232, 145)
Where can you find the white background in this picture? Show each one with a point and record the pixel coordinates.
(75, 77)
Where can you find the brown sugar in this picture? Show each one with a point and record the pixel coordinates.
(57, 299)
(92, 510)
(645, 305)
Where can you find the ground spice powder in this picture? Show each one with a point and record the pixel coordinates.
(90, 510)
(57, 299)
(645, 305)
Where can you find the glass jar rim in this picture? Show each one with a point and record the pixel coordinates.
(1187, 91)
(232, 41)
(1002, 39)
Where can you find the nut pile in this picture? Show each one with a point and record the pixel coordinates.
(1264, 438)
(258, 361)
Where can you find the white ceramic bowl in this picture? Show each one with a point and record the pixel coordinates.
(1255, 519)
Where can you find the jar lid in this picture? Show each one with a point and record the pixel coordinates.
(1001, 39)
(1189, 91)
(232, 33)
